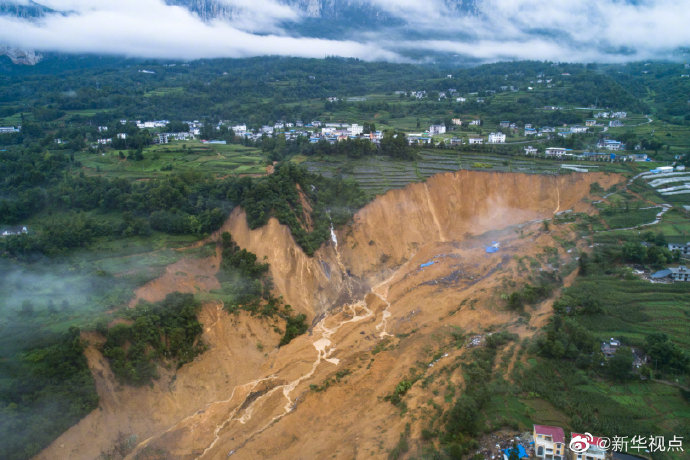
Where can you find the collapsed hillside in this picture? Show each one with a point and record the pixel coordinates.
(383, 296)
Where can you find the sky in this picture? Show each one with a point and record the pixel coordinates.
(556, 30)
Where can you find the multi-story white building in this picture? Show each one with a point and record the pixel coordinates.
(497, 138)
(549, 442)
(437, 129)
(356, 130)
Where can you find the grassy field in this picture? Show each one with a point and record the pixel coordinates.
(219, 160)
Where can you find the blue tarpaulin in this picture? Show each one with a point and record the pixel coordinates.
(427, 264)
(522, 453)
(493, 248)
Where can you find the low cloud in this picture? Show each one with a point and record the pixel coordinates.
(486, 30)
(152, 29)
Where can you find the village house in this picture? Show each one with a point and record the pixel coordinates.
(475, 123)
(160, 138)
(530, 132)
(356, 129)
(595, 451)
(497, 138)
(529, 150)
(437, 129)
(460, 99)
(610, 144)
(555, 152)
(9, 129)
(14, 231)
(684, 249)
(476, 140)
(549, 442)
(418, 139)
(680, 273)
(610, 347)
(504, 124)
(590, 122)
(456, 122)
(615, 124)
(578, 129)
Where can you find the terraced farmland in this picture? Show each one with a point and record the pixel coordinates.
(379, 174)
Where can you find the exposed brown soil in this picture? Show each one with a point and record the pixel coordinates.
(376, 314)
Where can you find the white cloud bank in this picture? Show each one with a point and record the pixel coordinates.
(152, 29)
(560, 30)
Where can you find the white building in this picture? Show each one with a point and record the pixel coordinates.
(555, 151)
(680, 273)
(475, 122)
(240, 130)
(609, 144)
(529, 150)
(356, 130)
(476, 140)
(437, 129)
(684, 249)
(497, 138)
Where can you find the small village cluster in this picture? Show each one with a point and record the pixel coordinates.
(317, 131)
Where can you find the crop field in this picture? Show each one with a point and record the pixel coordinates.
(635, 308)
(629, 218)
(219, 160)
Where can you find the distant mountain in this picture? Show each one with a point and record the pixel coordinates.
(360, 11)
(26, 10)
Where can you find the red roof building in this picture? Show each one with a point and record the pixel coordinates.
(549, 442)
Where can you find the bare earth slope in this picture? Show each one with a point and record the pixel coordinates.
(376, 314)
